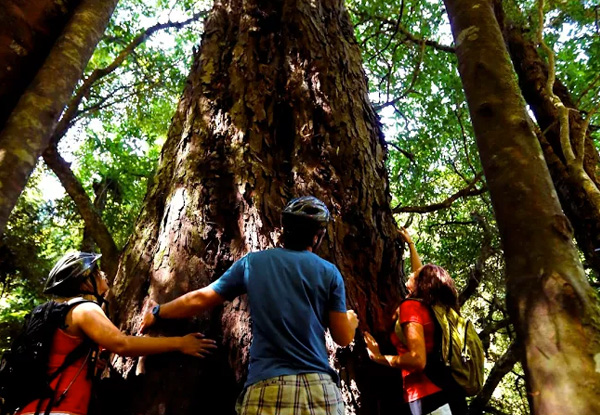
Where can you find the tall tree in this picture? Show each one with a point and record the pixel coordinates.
(275, 106)
(575, 179)
(28, 29)
(27, 131)
(552, 306)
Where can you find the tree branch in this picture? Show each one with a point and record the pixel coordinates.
(405, 153)
(587, 89)
(500, 369)
(490, 329)
(476, 275)
(415, 76)
(574, 162)
(93, 221)
(563, 111)
(466, 192)
(451, 222)
(464, 137)
(427, 42)
(407, 34)
(580, 141)
(71, 111)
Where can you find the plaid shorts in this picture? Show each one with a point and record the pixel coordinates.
(302, 394)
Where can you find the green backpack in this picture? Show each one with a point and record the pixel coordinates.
(456, 363)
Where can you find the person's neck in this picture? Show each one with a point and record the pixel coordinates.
(308, 248)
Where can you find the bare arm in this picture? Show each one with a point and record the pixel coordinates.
(415, 261)
(188, 305)
(342, 326)
(414, 359)
(191, 304)
(92, 321)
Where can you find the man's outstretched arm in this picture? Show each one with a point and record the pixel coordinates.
(188, 305)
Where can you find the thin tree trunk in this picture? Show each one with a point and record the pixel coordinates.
(28, 29)
(552, 306)
(91, 217)
(576, 202)
(276, 106)
(88, 244)
(28, 130)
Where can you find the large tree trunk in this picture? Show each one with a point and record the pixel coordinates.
(276, 106)
(28, 30)
(27, 131)
(552, 305)
(577, 204)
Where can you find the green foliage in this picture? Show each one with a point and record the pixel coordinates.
(116, 136)
(35, 237)
(126, 115)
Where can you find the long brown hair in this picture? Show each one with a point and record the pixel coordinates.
(433, 285)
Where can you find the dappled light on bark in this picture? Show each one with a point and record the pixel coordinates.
(275, 107)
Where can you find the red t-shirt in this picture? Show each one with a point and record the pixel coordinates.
(416, 384)
(77, 399)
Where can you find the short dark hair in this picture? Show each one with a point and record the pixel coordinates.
(299, 233)
(434, 286)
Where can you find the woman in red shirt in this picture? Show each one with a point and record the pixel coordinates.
(415, 337)
(75, 275)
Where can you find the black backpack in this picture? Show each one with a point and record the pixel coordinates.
(24, 373)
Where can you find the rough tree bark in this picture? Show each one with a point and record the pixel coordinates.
(27, 131)
(577, 204)
(552, 306)
(28, 29)
(276, 106)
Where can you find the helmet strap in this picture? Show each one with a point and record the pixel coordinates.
(316, 245)
(101, 301)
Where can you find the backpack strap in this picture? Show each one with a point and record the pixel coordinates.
(397, 326)
(71, 358)
(75, 354)
(70, 304)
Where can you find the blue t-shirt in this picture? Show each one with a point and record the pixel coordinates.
(290, 295)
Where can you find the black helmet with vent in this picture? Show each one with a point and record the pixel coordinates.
(307, 208)
(69, 272)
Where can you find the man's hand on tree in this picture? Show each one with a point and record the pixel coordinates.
(149, 319)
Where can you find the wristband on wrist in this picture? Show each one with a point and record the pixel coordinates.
(156, 312)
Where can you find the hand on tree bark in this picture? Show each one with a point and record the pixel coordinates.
(372, 346)
(404, 234)
(196, 345)
(148, 319)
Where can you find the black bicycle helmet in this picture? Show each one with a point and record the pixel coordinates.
(69, 272)
(307, 207)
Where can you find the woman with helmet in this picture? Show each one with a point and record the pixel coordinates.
(74, 276)
(294, 297)
(427, 285)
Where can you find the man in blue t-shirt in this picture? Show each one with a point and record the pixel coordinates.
(294, 296)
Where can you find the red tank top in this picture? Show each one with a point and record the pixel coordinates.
(416, 384)
(77, 398)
